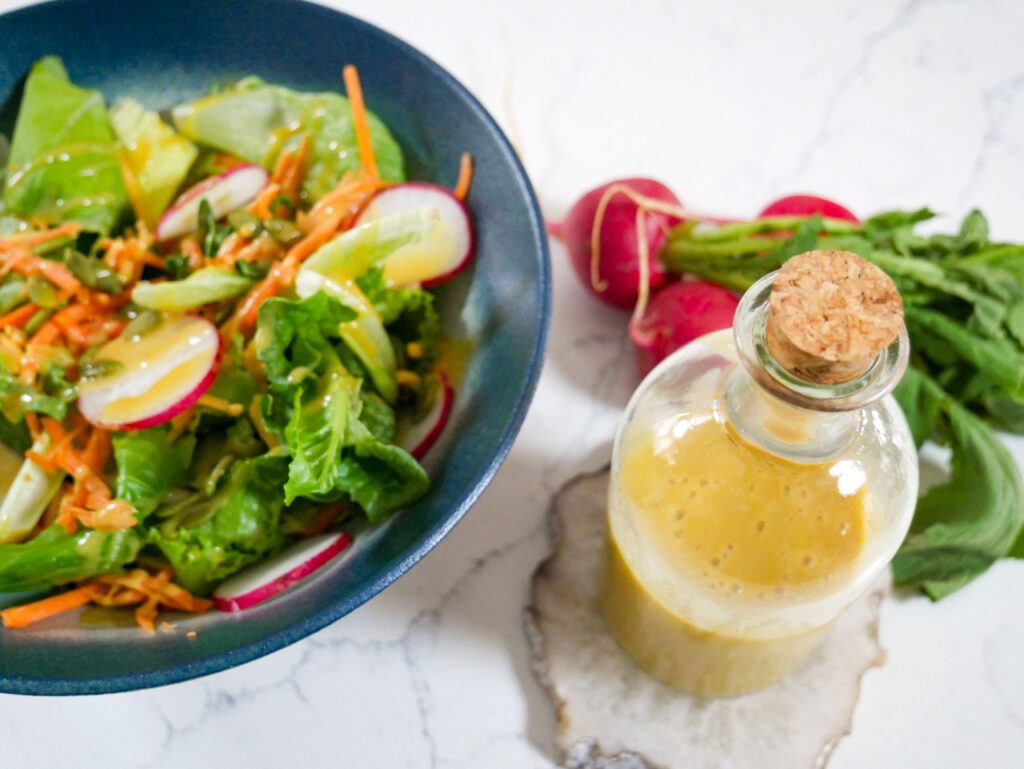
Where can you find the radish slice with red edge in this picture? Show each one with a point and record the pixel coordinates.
(418, 438)
(225, 192)
(443, 254)
(266, 579)
(808, 205)
(153, 376)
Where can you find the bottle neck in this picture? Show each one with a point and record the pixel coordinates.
(787, 415)
(780, 428)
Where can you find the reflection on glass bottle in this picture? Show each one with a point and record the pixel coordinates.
(761, 478)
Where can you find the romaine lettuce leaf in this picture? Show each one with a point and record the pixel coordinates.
(256, 122)
(148, 466)
(206, 539)
(64, 161)
(333, 453)
(55, 557)
(154, 154)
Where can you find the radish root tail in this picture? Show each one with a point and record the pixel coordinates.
(645, 205)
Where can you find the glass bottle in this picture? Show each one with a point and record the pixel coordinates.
(753, 497)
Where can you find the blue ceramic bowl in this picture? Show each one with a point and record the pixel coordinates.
(163, 51)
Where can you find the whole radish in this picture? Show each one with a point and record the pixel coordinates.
(678, 314)
(621, 218)
(808, 205)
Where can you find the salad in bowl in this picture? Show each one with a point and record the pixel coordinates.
(219, 350)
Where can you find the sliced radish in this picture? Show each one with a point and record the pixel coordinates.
(155, 375)
(440, 257)
(268, 578)
(224, 192)
(418, 437)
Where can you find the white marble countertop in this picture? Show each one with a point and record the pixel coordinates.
(874, 102)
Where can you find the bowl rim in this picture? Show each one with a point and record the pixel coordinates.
(331, 612)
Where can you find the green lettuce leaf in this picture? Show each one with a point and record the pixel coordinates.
(293, 337)
(64, 161)
(256, 122)
(333, 453)
(55, 557)
(148, 466)
(156, 156)
(204, 286)
(207, 539)
(410, 317)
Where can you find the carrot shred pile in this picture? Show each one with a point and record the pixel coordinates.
(149, 591)
(87, 500)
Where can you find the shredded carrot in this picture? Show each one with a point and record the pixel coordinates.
(342, 203)
(362, 128)
(179, 424)
(138, 587)
(244, 319)
(261, 205)
(284, 162)
(226, 161)
(97, 450)
(44, 462)
(37, 611)
(191, 249)
(219, 404)
(20, 316)
(153, 260)
(54, 430)
(29, 264)
(293, 176)
(32, 239)
(465, 176)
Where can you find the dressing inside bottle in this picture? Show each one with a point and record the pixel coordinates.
(761, 478)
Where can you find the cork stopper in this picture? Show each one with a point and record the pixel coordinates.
(830, 314)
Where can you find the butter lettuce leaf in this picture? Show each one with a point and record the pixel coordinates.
(63, 163)
(154, 154)
(256, 121)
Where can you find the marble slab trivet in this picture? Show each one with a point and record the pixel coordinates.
(613, 716)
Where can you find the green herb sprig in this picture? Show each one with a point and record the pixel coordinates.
(964, 304)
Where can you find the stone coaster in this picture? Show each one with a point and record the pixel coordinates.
(613, 716)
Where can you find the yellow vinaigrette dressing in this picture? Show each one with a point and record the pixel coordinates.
(744, 516)
(733, 521)
(739, 519)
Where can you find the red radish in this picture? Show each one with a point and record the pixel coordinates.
(441, 256)
(155, 376)
(617, 220)
(418, 438)
(266, 579)
(808, 205)
(678, 314)
(225, 192)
